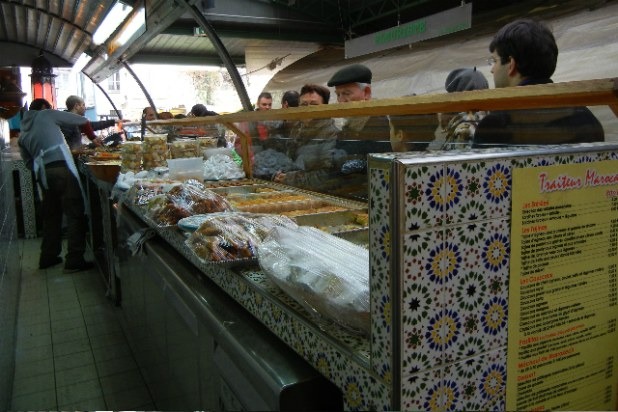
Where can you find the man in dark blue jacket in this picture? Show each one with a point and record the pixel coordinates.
(524, 52)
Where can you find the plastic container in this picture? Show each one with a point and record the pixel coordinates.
(187, 168)
(154, 151)
(185, 148)
(131, 157)
(208, 153)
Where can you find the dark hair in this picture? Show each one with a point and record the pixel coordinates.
(321, 90)
(199, 110)
(291, 96)
(40, 104)
(531, 44)
(265, 95)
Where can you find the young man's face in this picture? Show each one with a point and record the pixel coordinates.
(265, 104)
(352, 92)
(311, 99)
(500, 71)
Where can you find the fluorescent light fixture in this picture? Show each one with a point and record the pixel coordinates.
(80, 63)
(136, 23)
(111, 22)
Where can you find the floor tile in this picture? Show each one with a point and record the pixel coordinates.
(72, 376)
(34, 384)
(121, 382)
(40, 401)
(79, 391)
(111, 352)
(116, 366)
(33, 330)
(29, 368)
(73, 360)
(95, 404)
(128, 399)
(68, 323)
(72, 311)
(60, 337)
(33, 354)
(74, 346)
(109, 339)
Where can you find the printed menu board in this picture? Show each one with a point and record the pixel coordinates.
(562, 339)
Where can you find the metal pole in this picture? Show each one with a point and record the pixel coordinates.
(141, 86)
(223, 54)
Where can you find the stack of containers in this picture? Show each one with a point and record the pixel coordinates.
(154, 151)
(131, 157)
(184, 148)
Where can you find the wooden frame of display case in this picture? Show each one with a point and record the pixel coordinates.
(599, 92)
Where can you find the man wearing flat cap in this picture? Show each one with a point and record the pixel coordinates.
(359, 135)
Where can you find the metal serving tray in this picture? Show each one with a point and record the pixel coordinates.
(332, 222)
(242, 190)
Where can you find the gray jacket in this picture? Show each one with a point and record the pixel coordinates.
(40, 131)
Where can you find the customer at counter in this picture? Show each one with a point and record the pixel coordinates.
(359, 135)
(311, 144)
(524, 52)
(458, 128)
(44, 149)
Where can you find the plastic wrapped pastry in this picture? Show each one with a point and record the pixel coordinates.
(327, 275)
(229, 237)
(182, 201)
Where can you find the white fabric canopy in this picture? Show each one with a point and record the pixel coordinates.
(587, 41)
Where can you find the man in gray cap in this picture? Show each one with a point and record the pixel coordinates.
(359, 135)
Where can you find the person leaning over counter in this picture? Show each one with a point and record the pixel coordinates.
(524, 52)
(45, 150)
(311, 144)
(359, 135)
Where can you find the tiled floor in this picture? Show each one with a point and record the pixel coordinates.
(71, 351)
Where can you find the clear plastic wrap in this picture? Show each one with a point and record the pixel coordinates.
(327, 275)
(184, 148)
(131, 157)
(154, 151)
(232, 237)
(182, 201)
(142, 190)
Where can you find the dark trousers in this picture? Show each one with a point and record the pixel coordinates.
(63, 197)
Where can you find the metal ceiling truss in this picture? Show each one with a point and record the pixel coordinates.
(369, 11)
(320, 10)
(351, 15)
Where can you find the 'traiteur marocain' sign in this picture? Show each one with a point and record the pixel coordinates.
(436, 25)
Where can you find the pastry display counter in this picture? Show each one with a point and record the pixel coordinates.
(440, 237)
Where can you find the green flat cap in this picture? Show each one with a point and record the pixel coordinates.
(355, 73)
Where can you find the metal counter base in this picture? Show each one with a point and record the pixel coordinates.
(197, 347)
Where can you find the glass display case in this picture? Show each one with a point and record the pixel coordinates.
(444, 242)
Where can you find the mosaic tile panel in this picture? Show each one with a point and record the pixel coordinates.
(380, 276)
(422, 303)
(477, 383)
(476, 288)
(426, 191)
(27, 198)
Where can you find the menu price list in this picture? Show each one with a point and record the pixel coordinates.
(563, 289)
